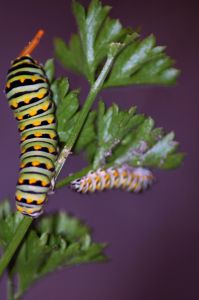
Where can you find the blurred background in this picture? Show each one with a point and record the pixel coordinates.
(153, 237)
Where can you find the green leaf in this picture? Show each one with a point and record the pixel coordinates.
(139, 61)
(8, 223)
(87, 135)
(88, 49)
(124, 137)
(64, 225)
(88, 25)
(4, 208)
(159, 154)
(135, 142)
(32, 255)
(147, 146)
(49, 68)
(71, 56)
(59, 88)
(67, 105)
(67, 114)
(54, 242)
(113, 125)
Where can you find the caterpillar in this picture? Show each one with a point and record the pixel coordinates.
(125, 177)
(29, 96)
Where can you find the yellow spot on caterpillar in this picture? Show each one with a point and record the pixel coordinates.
(23, 138)
(26, 100)
(40, 201)
(36, 123)
(44, 183)
(34, 78)
(89, 181)
(8, 85)
(32, 180)
(97, 187)
(20, 118)
(116, 174)
(22, 127)
(45, 107)
(33, 113)
(97, 179)
(20, 180)
(35, 163)
(38, 134)
(37, 147)
(22, 165)
(40, 95)
(51, 150)
(23, 150)
(29, 211)
(22, 79)
(29, 200)
(19, 208)
(107, 176)
(18, 198)
(50, 121)
(15, 105)
(48, 166)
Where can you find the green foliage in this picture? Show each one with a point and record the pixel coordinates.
(125, 137)
(139, 61)
(87, 50)
(113, 135)
(147, 146)
(55, 241)
(112, 126)
(49, 68)
(67, 104)
(142, 62)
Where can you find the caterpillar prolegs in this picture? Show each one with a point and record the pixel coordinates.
(125, 177)
(29, 96)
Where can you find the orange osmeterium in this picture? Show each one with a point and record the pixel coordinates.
(33, 43)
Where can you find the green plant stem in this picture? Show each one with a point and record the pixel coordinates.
(95, 89)
(14, 243)
(72, 177)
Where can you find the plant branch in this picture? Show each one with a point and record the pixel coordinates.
(72, 177)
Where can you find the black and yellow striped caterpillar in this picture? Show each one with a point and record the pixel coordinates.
(29, 95)
(125, 177)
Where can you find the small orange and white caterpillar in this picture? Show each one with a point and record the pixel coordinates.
(127, 178)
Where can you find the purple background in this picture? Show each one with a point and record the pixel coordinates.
(154, 237)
